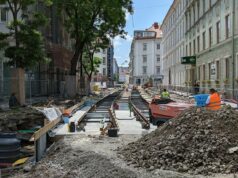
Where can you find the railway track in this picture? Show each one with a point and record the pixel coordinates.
(99, 112)
(140, 108)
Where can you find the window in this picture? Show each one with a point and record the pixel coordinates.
(204, 72)
(103, 60)
(237, 65)
(194, 15)
(3, 14)
(228, 26)
(144, 58)
(144, 46)
(194, 46)
(218, 25)
(204, 6)
(210, 36)
(104, 51)
(190, 48)
(210, 3)
(158, 69)
(209, 70)
(158, 46)
(186, 49)
(144, 69)
(217, 70)
(198, 44)
(158, 58)
(227, 67)
(104, 71)
(198, 9)
(204, 40)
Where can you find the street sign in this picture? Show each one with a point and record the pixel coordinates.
(188, 60)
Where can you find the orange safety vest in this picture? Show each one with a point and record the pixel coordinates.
(215, 102)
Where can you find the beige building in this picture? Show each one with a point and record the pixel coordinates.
(173, 44)
(207, 30)
(145, 56)
(211, 36)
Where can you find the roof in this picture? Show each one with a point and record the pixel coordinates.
(156, 28)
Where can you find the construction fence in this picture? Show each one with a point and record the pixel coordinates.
(33, 88)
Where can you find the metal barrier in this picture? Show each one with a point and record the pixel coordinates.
(33, 88)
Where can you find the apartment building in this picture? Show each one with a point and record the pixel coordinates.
(145, 56)
(211, 35)
(207, 31)
(173, 44)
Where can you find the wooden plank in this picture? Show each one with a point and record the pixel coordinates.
(44, 129)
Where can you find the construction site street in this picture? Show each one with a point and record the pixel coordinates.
(137, 152)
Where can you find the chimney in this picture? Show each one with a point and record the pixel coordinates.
(156, 25)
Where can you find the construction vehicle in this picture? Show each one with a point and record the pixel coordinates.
(161, 110)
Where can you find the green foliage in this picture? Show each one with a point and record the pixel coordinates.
(24, 44)
(90, 20)
(116, 77)
(91, 65)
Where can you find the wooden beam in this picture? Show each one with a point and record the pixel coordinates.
(44, 129)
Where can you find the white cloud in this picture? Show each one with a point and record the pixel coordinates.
(129, 38)
(118, 41)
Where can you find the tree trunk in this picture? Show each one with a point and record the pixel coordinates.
(88, 86)
(74, 60)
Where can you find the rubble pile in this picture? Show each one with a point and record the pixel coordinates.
(20, 119)
(65, 161)
(196, 142)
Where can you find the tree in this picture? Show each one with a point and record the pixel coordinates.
(90, 65)
(23, 45)
(89, 20)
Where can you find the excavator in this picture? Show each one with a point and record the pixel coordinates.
(161, 110)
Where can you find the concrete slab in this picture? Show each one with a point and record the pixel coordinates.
(63, 129)
(129, 125)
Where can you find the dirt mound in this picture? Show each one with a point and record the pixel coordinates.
(195, 142)
(66, 162)
(20, 119)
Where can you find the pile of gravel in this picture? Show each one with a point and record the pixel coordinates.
(196, 142)
(67, 162)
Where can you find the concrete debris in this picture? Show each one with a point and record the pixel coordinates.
(196, 142)
(233, 150)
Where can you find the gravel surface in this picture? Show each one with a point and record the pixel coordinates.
(93, 156)
(196, 142)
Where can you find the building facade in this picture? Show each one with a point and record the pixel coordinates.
(123, 73)
(145, 56)
(208, 31)
(212, 36)
(115, 71)
(101, 75)
(43, 79)
(173, 44)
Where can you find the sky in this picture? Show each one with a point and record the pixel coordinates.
(146, 12)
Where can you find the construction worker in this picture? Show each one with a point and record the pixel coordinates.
(165, 94)
(214, 100)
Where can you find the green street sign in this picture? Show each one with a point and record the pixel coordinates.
(188, 60)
